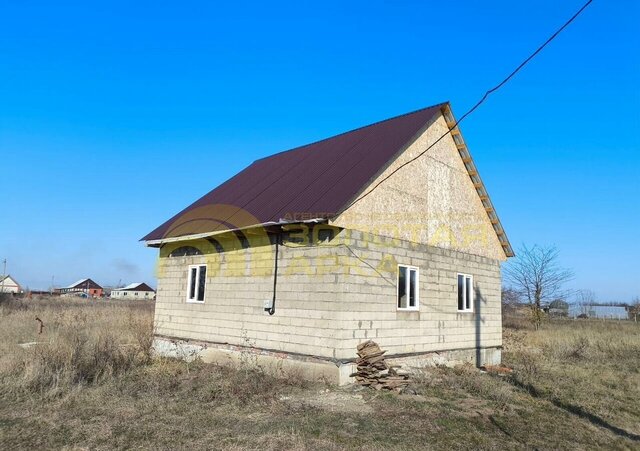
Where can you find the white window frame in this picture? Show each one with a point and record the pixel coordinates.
(467, 277)
(408, 287)
(195, 300)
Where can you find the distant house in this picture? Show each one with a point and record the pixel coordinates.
(309, 252)
(558, 308)
(86, 286)
(139, 290)
(9, 285)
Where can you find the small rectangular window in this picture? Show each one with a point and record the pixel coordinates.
(408, 288)
(465, 293)
(196, 283)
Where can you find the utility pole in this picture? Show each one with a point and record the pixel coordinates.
(52, 285)
(4, 274)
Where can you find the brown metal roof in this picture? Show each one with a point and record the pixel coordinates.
(84, 283)
(135, 287)
(312, 181)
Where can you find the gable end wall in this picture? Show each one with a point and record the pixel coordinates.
(430, 201)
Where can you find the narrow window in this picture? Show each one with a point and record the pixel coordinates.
(196, 283)
(413, 283)
(468, 297)
(201, 282)
(408, 295)
(402, 287)
(465, 293)
(192, 282)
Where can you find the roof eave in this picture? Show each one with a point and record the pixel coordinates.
(198, 236)
(456, 134)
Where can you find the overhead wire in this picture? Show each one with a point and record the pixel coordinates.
(476, 106)
(462, 118)
(456, 123)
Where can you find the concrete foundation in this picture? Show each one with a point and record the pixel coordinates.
(317, 369)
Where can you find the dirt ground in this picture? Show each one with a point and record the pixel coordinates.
(575, 385)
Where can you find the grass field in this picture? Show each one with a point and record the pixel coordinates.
(91, 383)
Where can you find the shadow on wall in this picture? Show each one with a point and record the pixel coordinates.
(479, 303)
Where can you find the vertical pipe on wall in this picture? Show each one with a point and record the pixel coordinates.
(272, 310)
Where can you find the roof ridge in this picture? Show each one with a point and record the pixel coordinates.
(353, 130)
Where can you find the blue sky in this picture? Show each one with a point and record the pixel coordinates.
(113, 117)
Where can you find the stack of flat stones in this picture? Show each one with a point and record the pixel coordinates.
(373, 371)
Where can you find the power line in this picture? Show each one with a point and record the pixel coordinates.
(480, 102)
(350, 250)
(291, 245)
(463, 117)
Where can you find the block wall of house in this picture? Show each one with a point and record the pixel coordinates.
(431, 201)
(132, 295)
(239, 280)
(369, 301)
(329, 300)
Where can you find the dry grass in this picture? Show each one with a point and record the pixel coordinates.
(589, 368)
(82, 343)
(91, 383)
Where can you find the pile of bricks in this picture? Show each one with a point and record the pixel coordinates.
(374, 372)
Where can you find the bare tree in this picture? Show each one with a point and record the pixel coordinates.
(634, 309)
(538, 277)
(585, 297)
(510, 296)
(510, 300)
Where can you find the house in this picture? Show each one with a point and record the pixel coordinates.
(558, 308)
(309, 252)
(139, 290)
(9, 285)
(83, 286)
